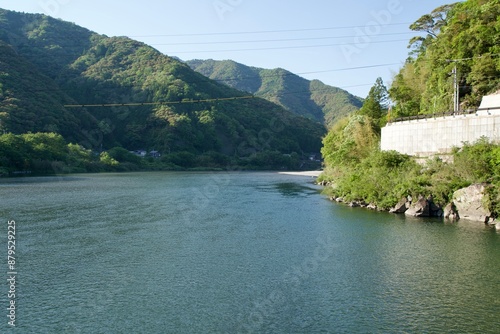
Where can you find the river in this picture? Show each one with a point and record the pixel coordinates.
(253, 252)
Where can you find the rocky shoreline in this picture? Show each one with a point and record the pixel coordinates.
(467, 203)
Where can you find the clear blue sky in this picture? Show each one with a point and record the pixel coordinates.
(317, 39)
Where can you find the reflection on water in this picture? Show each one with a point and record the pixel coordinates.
(295, 189)
(292, 189)
(238, 252)
(38, 179)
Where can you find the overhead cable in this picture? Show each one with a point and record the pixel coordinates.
(285, 47)
(260, 31)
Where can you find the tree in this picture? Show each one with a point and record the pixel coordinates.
(430, 24)
(106, 159)
(13, 152)
(122, 155)
(407, 88)
(45, 146)
(465, 32)
(433, 22)
(376, 102)
(349, 141)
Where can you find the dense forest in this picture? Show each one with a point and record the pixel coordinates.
(103, 93)
(311, 99)
(465, 35)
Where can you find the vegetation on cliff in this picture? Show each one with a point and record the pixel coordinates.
(463, 35)
(364, 173)
(358, 171)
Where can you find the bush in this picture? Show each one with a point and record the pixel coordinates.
(349, 141)
(107, 160)
(183, 159)
(212, 159)
(477, 162)
(383, 178)
(122, 155)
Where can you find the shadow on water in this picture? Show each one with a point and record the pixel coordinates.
(293, 189)
(39, 179)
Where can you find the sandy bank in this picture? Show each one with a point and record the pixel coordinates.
(314, 173)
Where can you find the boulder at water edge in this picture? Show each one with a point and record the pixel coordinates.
(470, 203)
(420, 208)
(401, 207)
(450, 212)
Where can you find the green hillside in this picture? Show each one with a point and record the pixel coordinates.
(46, 64)
(311, 99)
(32, 102)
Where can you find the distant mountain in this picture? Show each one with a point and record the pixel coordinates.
(47, 63)
(311, 99)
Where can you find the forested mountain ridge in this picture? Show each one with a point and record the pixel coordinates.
(48, 63)
(312, 99)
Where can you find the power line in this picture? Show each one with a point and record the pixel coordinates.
(303, 73)
(86, 37)
(312, 91)
(284, 47)
(349, 68)
(448, 60)
(261, 31)
(274, 40)
(79, 46)
(138, 104)
(475, 57)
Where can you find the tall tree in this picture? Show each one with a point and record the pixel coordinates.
(376, 102)
(433, 22)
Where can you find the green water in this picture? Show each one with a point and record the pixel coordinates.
(236, 253)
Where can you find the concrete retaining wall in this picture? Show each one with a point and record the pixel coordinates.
(434, 136)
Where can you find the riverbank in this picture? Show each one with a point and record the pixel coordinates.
(312, 173)
(471, 203)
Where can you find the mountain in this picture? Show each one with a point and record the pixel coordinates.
(32, 102)
(131, 95)
(311, 99)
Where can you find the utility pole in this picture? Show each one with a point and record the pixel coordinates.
(456, 87)
(456, 90)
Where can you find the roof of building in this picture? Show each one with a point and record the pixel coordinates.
(490, 102)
